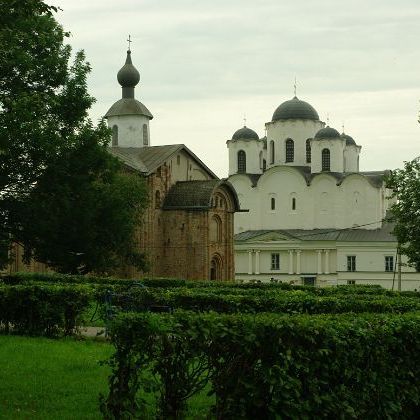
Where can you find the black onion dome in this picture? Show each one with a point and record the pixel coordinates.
(128, 76)
(327, 133)
(245, 133)
(295, 109)
(349, 140)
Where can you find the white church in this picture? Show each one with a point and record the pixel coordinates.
(313, 217)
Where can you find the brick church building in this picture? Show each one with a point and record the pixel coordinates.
(187, 229)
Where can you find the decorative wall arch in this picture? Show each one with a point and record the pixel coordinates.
(145, 135)
(115, 135)
(216, 268)
(216, 229)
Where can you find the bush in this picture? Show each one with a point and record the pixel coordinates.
(269, 366)
(42, 310)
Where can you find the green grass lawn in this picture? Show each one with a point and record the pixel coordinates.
(61, 379)
(51, 379)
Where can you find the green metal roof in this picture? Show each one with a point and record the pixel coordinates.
(295, 109)
(195, 195)
(337, 235)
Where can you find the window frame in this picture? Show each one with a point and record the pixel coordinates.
(326, 160)
(389, 263)
(275, 261)
(290, 151)
(241, 161)
(351, 263)
(308, 151)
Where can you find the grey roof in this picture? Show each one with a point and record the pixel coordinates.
(128, 76)
(327, 133)
(375, 178)
(349, 140)
(195, 195)
(295, 109)
(128, 106)
(338, 235)
(147, 159)
(245, 133)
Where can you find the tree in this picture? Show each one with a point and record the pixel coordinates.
(62, 196)
(405, 213)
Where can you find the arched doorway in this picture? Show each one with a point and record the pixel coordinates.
(216, 268)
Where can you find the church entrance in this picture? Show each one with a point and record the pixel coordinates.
(216, 268)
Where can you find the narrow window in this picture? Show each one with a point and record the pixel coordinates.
(351, 263)
(275, 261)
(145, 135)
(325, 159)
(293, 203)
(308, 151)
(351, 281)
(273, 203)
(389, 263)
(115, 135)
(241, 162)
(157, 199)
(290, 150)
(264, 165)
(178, 160)
(272, 151)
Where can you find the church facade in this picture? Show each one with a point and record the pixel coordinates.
(314, 217)
(187, 230)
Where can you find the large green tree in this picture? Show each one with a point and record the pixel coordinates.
(405, 212)
(62, 196)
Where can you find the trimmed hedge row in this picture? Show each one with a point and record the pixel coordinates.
(291, 302)
(218, 287)
(267, 366)
(42, 310)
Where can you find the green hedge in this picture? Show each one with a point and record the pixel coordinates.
(290, 302)
(267, 366)
(217, 287)
(42, 310)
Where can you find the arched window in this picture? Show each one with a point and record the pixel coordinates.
(115, 135)
(264, 165)
(145, 135)
(241, 162)
(157, 199)
(326, 160)
(290, 150)
(272, 151)
(293, 203)
(308, 151)
(273, 203)
(216, 229)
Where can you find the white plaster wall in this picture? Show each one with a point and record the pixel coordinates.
(299, 131)
(247, 201)
(351, 161)
(252, 148)
(130, 129)
(323, 204)
(186, 170)
(336, 147)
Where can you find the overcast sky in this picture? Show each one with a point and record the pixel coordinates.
(204, 64)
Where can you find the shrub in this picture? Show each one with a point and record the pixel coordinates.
(269, 366)
(42, 310)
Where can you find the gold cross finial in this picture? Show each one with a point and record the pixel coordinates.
(295, 87)
(328, 119)
(129, 42)
(343, 127)
(244, 120)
